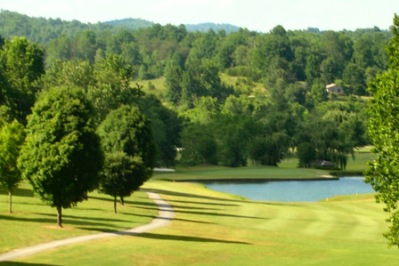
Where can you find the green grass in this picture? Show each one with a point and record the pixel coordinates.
(158, 84)
(33, 222)
(212, 228)
(209, 228)
(218, 172)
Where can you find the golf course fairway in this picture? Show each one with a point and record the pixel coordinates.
(213, 228)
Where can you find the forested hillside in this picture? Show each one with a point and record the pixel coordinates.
(212, 120)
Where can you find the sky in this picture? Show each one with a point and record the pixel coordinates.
(255, 15)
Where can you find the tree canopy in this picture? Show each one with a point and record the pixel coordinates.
(129, 146)
(62, 155)
(383, 172)
(12, 136)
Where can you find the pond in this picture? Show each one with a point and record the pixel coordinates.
(294, 191)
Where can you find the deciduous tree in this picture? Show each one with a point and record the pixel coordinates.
(383, 172)
(127, 140)
(11, 138)
(61, 156)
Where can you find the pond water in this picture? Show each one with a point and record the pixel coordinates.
(294, 191)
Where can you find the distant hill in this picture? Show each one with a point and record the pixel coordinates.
(204, 27)
(43, 30)
(133, 23)
(130, 23)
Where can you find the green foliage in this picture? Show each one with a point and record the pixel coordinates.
(121, 175)
(382, 173)
(61, 156)
(22, 65)
(165, 127)
(12, 136)
(68, 73)
(111, 85)
(199, 145)
(126, 137)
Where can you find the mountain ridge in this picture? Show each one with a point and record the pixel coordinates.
(137, 23)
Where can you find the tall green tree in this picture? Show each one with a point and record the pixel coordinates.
(22, 65)
(119, 175)
(111, 88)
(61, 156)
(166, 127)
(126, 130)
(12, 136)
(383, 172)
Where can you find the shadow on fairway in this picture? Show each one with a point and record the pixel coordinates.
(184, 238)
(93, 224)
(24, 219)
(204, 203)
(23, 192)
(150, 206)
(187, 195)
(11, 263)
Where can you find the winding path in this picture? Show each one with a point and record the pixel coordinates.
(165, 215)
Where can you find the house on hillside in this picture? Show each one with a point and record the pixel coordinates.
(334, 89)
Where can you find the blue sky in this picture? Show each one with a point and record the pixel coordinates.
(257, 15)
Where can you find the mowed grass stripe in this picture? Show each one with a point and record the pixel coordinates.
(369, 216)
(323, 220)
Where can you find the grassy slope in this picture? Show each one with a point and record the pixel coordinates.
(212, 228)
(159, 89)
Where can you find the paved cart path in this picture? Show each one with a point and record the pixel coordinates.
(165, 215)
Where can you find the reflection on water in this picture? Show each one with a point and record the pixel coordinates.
(299, 191)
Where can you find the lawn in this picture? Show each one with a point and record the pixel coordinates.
(33, 222)
(212, 228)
(209, 228)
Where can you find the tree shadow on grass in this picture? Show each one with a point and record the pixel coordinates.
(183, 238)
(26, 219)
(15, 263)
(204, 203)
(187, 195)
(218, 214)
(195, 196)
(95, 224)
(144, 206)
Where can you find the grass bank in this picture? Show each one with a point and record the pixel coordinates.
(242, 173)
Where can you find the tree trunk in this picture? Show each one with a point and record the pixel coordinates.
(59, 216)
(122, 201)
(115, 204)
(10, 200)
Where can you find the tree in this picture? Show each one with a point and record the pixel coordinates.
(111, 86)
(173, 80)
(126, 130)
(383, 172)
(61, 156)
(22, 63)
(199, 145)
(71, 73)
(120, 174)
(166, 127)
(11, 138)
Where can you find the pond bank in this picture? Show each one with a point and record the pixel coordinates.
(257, 180)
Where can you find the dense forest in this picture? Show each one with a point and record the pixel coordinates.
(228, 98)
